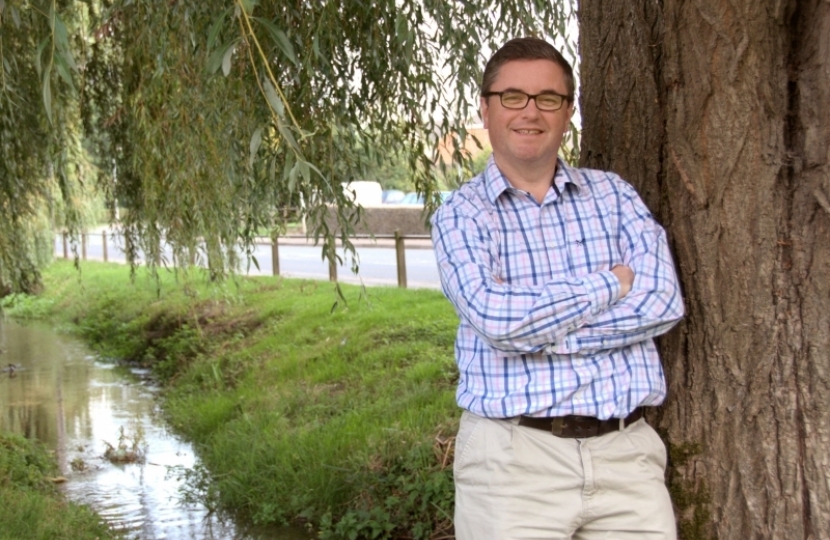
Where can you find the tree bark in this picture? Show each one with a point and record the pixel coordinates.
(718, 112)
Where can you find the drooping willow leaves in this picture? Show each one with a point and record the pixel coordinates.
(211, 122)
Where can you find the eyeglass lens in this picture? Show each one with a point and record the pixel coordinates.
(518, 100)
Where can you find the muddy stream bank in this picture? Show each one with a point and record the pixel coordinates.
(53, 389)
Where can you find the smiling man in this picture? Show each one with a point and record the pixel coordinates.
(561, 279)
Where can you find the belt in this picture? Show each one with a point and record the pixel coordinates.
(579, 427)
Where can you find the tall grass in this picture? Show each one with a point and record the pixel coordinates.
(31, 507)
(340, 418)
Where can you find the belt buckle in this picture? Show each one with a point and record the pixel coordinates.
(557, 424)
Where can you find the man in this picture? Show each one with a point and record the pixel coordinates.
(561, 278)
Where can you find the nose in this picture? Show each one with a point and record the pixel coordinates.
(531, 109)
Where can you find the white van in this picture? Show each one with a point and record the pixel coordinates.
(364, 192)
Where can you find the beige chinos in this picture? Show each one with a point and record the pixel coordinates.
(521, 483)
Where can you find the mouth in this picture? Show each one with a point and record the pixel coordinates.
(528, 131)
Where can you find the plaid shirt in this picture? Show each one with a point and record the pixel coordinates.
(542, 332)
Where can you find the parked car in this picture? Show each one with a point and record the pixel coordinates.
(414, 198)
(393, 196)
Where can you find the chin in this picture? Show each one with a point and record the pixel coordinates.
(532, 156)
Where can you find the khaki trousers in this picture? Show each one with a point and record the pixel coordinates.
(520, 483)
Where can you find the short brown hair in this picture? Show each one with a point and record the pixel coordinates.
(527, 48)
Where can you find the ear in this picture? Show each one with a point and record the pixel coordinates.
(570, 113)
(484, 109)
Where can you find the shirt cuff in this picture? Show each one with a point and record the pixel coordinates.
(567, 345)
(603, 288)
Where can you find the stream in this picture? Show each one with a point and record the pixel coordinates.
(76, 404)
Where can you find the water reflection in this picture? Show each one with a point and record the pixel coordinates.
(62, 396)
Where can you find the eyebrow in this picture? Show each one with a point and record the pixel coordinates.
(545, 91)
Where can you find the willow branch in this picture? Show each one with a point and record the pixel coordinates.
(244, 17)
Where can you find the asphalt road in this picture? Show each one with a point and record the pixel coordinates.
(377, 263)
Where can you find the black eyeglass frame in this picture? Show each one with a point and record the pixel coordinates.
(529, 97)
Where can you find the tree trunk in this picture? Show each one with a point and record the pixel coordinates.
(718, 112)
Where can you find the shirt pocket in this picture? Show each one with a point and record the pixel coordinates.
(530, 245)
(590, 232)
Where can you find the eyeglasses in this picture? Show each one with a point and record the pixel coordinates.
(513, 99)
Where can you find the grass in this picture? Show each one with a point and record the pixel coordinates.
(341, 418)
(30, 505)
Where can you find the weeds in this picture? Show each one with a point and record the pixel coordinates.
(30, 505)
(404, 501)
(197, 486)
(25, 306)
(129, 449)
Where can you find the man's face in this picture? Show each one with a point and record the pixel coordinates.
(528, 138)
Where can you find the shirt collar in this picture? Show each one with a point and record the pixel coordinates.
(565, 174)
(495, 183)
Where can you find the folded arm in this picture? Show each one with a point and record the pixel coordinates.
(652, 306)
(512, 319)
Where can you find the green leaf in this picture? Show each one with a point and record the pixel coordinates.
(273, 98)
(256, 141)
(248, 6)
(215, 60)
(318, 171)
(279, 38)
(47, 91)
(61, 35)
(292, 178)
(64, 72)
(289, 137)
(272, 170)
(226, 61)
(305, 170)
(289, 165)
(216, 27)
(68, 59)
(315, 46)
(40, 48)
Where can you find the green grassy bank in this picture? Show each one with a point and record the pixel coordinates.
(31, 507)
(341, 418)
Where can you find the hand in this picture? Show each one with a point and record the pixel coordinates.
(626, 277)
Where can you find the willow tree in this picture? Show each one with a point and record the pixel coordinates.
(718, 113)
(204, 119)
(39, 149)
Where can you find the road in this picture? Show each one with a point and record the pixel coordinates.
(377, 264)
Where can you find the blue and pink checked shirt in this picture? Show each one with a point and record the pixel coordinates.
(542, 332)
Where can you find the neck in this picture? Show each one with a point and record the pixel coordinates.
(535, 180)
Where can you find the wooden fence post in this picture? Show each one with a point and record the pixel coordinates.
(333, 269)
(275, 254)
(400, 253)
(104, 239)
(65, 245)
(83, 246)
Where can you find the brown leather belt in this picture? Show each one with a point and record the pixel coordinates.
(579, 427)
